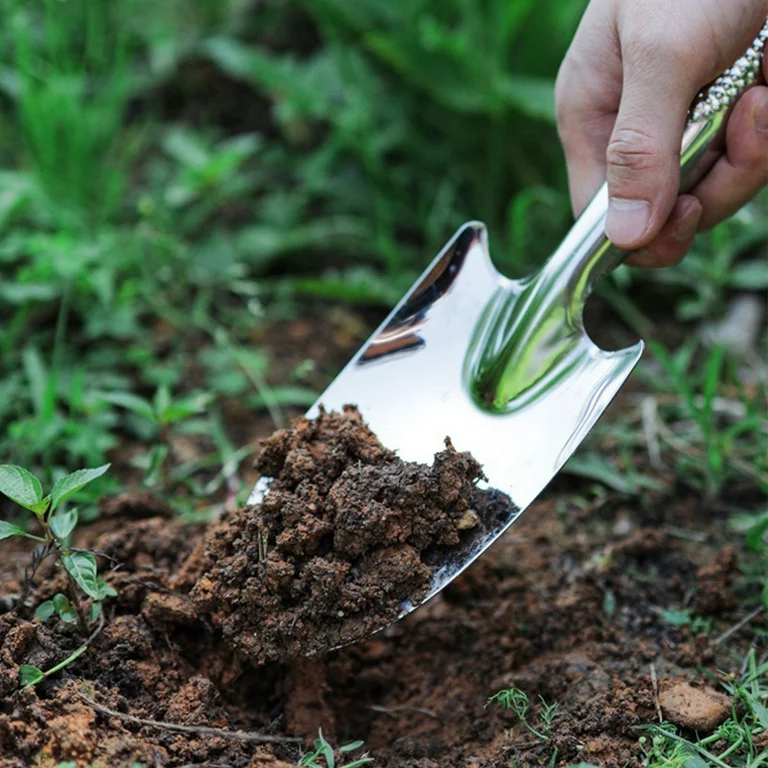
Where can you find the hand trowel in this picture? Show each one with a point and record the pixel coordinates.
(505, 367)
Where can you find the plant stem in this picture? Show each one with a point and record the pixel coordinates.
(72, 657)
(74, 599)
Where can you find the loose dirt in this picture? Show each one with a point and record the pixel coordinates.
(567, 606)
(345, 534)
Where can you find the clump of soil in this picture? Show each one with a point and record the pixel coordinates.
(700, 709)
(345, 534)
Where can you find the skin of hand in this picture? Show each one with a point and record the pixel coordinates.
(622, 97)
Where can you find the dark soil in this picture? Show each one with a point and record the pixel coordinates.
(345, 534)
(566, 606)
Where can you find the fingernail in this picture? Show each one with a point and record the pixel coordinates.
(627, 220)
(761, 117)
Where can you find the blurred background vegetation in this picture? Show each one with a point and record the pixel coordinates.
(181, 180)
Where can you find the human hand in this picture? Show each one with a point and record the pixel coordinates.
(622, 97)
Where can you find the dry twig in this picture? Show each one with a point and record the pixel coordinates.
(197, 729)
(391, 711)
(655, 684)
(736, 627)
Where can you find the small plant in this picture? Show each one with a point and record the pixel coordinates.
(519, 703)
(698, 625)
(161, 412)
(323, 756)
(57, 525)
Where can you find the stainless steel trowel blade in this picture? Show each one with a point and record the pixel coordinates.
(409, 381)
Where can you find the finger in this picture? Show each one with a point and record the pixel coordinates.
(675, 239)
(740, 174)
(643, 155)
(587, 94)
(584, 147)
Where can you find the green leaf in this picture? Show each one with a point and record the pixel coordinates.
(95, 611)
(609, 604)
(749, 275)
(195, 402)
(286, 395)
(131, 402)
(82, 567)
(161, 402)
(351, 747)
(61, 602)
(63, 523)
(104, 589)
(152, 463)
(29, 675)
(71, 484)
(594, 467)
(21, 486)
(45, 610)
(64, 609)
(7, 530)
(676, 618)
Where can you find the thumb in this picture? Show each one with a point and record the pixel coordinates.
(643, 154)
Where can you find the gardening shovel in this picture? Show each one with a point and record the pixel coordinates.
(505, 367)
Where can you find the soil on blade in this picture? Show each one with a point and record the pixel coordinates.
(345, 534)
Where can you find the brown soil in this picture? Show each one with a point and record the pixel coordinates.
(346, 533)
(566, 606)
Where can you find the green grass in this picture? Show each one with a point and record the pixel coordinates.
(172, 181)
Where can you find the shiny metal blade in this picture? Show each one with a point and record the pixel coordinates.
(409, 382)
(412, 382)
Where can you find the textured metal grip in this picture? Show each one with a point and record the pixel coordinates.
(720, 94)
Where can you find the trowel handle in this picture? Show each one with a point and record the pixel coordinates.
(586, 254)
(527, 339)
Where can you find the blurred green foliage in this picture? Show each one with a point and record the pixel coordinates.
(174, 175)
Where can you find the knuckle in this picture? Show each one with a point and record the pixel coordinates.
(665, 52)
(633, 150)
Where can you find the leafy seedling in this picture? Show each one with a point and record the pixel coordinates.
(324, 756)
(57, 525)
(161, 412)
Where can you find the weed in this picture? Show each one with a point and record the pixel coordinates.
(324, 756)
(519, 703)
(57, 525)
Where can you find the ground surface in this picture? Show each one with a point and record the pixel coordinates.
(567, 606)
